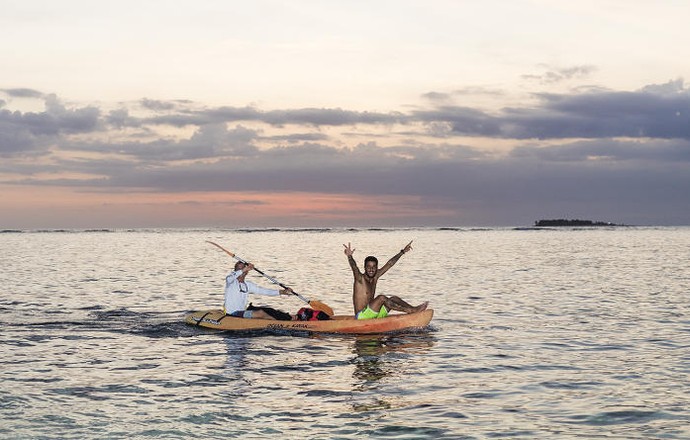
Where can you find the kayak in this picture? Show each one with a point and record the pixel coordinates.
(218, 320)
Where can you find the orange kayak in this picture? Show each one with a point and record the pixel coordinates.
(216, 319)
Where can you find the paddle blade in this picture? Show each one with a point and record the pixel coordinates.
(221, 248)
(318, 305)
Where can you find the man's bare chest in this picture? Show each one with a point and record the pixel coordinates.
(368, 285)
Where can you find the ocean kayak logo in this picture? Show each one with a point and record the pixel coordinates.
(283, 326)
(206, 320)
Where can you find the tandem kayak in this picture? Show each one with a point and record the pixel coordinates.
(217, 319)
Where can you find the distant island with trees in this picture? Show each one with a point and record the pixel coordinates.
(567, 222)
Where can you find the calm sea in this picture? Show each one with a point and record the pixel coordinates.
(558, 333)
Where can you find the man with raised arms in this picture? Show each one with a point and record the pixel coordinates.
(366, 304)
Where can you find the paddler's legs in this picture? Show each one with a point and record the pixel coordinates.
(395, 303)
(260, 314)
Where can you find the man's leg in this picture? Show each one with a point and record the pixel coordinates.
(260, 314)
(395, 303)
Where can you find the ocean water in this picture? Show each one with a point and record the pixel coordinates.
(555, 333)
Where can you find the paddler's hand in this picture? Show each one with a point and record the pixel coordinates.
(248, 268)
(287, 291)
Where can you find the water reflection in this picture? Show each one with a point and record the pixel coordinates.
(378, 357)
(369, 367)
(382, 363)
(236, 364)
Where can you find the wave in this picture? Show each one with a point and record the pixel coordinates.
(120, 320)
(54, 231)
(307, 230)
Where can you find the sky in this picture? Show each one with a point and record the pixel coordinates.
(321, 113)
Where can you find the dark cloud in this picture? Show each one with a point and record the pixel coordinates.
(522, 188)
(121, 118)
(64, 120)
(607, 151)
(16, 139)
(298, 137)
(661, 112)
(602, 115)
(32, 131)
(655, 111)
(22, 93)
(530, 184)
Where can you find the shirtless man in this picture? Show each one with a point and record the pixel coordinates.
(368, 306)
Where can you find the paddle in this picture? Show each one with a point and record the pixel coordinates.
(316, 305)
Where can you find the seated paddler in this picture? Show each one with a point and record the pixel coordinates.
(237, 291)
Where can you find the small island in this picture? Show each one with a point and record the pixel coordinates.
(567, 222)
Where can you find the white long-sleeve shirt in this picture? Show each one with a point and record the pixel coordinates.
(237, 293)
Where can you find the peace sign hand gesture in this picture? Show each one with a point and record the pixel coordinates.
(348, 250)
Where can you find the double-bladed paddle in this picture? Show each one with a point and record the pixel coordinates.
(316, 305)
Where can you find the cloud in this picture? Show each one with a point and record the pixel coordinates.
(64, 120)
(609, 150)
(446, 97)
(15, 139)
(22, 93)
(661, 112)
(209, 141)
(438, 97)
(121, 118)
(298, 137)
(557, 75)
(669, 88)
(640, 114)
(463, 120)
(32, 132)
(655, 111)
(162, 106)
(305, 116)
(568, 150)
(518, 186)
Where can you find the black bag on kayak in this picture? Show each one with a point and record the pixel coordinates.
(275, 313)
(307, 314)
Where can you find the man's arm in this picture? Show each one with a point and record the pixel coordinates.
(394, 260)
(258, 290)
(350, 259)
(254, 288)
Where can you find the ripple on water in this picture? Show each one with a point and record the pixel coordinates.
(627, 417)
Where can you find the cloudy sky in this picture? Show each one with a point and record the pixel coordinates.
(315, 113)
